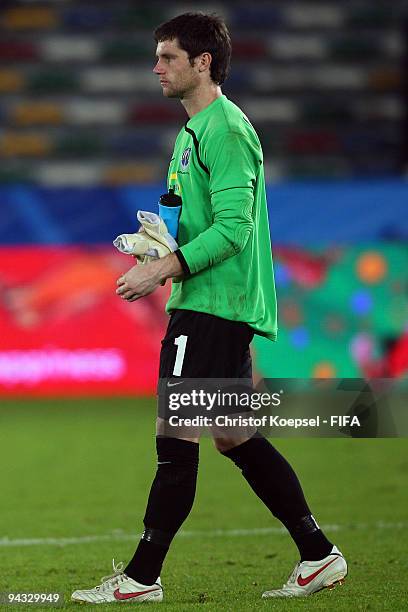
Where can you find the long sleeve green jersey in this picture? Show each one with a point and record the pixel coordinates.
(225, 249)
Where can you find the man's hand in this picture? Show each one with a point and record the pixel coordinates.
(144, 279)
(137, 282)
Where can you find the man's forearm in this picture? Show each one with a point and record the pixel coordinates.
(142, 280)
(168, 267)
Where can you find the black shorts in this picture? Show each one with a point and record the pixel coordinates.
(200, 345)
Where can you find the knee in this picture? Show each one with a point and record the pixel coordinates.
(223, 445)
(177, 460)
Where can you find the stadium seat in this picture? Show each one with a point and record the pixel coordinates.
(63, 48)
(85, 111)
(135, 144)
(128, 173)
(318, 142)
(256, 16)
(156, 113)
(30, 18)
(144, 17)
(385, 79)
(69, 173)
(11, 81)
(290, 46)
(125, 51)
(18, 51)
(24, 144)
(339, 76)
(117, 79)
(15, 173)
(328, 111)
(357, 48)
(385, 107)
(35, 113)
(281, 78)
(314, 15)
(89, 17)
(239, 78)
(53, 81)
(79, 145)
(361, 140)
(280, 110)
(249, 49)
(319, 167)
(372, 14)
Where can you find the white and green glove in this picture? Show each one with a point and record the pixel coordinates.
(151, 242)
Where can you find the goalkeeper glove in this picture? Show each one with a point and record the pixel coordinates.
(151, 242)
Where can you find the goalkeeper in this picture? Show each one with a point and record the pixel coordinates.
(222, 294)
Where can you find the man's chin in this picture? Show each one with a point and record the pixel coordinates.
(168, 93)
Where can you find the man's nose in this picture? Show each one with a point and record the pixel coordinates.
(158, 68)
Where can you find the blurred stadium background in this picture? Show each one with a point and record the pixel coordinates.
(85, 141)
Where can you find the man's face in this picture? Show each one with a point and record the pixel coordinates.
(177, 76)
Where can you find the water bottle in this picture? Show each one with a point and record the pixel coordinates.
(169, 211)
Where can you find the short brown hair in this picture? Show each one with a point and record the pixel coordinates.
(199, 33)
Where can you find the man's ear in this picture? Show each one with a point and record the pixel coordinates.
(204, 61)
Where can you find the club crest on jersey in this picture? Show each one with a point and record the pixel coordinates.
(185, 158)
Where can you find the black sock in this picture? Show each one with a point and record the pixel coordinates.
(170, 501)
(309, 538)
(276, 484)
(146, 564)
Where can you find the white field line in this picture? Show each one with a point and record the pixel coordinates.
(6, 542)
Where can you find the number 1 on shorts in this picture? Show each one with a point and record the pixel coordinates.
(180, 342)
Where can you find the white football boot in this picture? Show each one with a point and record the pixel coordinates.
(309, 577)
(119, 588)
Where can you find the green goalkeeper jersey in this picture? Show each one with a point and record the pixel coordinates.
(225, 249)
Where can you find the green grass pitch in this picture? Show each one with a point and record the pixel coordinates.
(75, 478)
